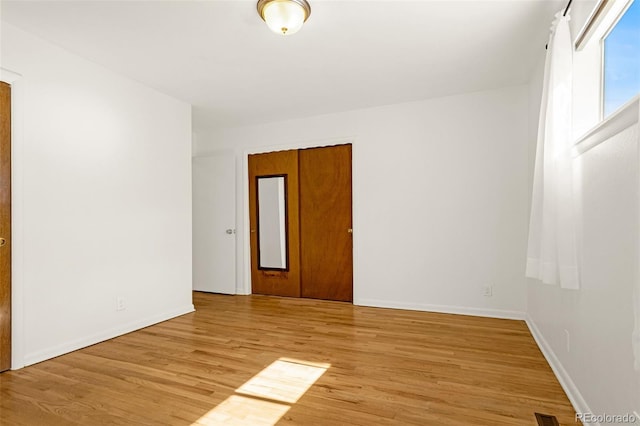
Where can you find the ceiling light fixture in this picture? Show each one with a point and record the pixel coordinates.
(284, 16)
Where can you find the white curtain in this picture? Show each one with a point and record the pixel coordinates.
(551, 256)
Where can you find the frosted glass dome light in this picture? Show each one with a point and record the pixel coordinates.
(284, 16)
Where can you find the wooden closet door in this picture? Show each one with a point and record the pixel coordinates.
(266, 281)
(325, 223)
(5, 226)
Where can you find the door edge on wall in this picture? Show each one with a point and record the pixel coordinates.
(16, 81)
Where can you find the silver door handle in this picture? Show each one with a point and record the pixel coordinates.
(230, 231)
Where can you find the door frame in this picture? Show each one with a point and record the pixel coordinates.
(245, 286)
(17, 213)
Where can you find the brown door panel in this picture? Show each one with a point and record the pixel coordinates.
(274, 282)
(326, 223)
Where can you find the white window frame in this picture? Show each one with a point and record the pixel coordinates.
(615, 14)
(602, 20)
(597, 27)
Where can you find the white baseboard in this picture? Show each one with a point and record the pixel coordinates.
(74, 345)
(570, 388)
(459, 310)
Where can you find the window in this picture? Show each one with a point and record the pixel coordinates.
(621, 75)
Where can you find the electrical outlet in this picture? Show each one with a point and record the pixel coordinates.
(567, 339)
(120, 304)
(487, 291)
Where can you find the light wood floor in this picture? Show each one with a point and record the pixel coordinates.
(248, 359)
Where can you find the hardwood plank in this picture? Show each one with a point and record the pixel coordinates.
(387, 367)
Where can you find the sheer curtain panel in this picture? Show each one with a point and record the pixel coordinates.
(551, 255)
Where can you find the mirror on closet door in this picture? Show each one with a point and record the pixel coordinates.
(273, 250)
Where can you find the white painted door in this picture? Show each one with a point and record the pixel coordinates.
(214, 218)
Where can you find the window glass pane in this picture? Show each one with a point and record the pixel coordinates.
(622, 60)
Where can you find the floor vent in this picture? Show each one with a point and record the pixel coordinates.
(546, 420)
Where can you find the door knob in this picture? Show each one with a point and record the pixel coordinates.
(2, 242)
(350, 230)
(230, 231)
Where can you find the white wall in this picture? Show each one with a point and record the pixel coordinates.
(439, 197)
(596, 365)
(105, 193)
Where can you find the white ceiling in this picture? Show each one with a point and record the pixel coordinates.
(221, 57)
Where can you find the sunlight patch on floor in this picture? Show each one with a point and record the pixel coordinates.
(283, 381)
(267, 396)
(240, 410)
